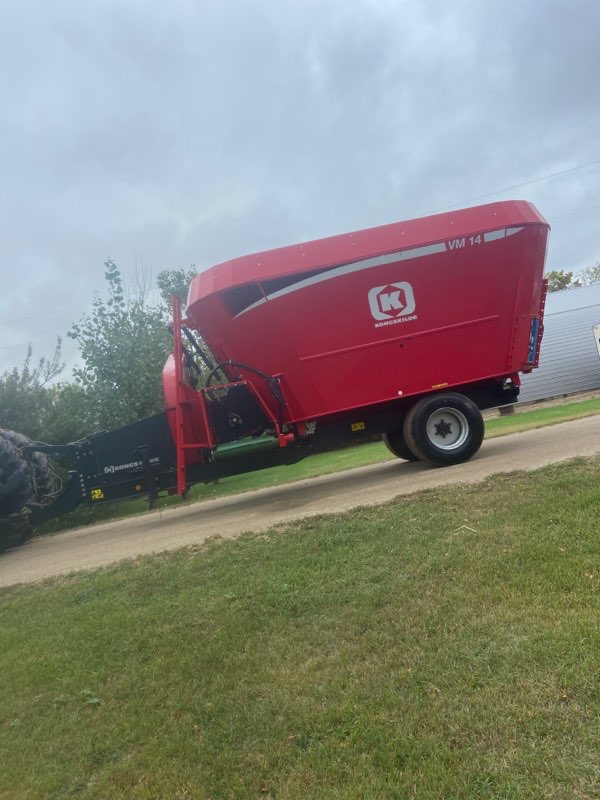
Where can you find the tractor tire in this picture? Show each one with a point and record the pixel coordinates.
(396, 444)
(26, 480)
(15, 530)
(43, 477)
(444, 429)
(16, 490)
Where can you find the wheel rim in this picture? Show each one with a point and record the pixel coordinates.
(447, 428)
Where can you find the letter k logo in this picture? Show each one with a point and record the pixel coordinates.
(391, 300)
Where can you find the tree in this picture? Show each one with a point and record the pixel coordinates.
(558, 279)
(123, 345)
(590, 274)
(174, 282)
(24, 393)
(67, 414)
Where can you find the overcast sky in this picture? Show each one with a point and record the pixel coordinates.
(167, 134)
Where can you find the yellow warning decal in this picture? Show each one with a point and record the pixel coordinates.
(439, 385)
(358, 426)
(97, 494)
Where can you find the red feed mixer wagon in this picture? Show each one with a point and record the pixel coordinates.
(406, 330)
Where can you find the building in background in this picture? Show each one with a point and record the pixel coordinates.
(569, 357)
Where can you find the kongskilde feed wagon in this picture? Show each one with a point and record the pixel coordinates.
(406, 330)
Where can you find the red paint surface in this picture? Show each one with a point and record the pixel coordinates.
(473, 310)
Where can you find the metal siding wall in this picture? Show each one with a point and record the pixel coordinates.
(572, 299)
(569, 360)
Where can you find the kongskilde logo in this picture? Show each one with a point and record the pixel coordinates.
(133, 465)
(392, 303)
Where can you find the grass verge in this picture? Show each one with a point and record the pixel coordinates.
(541, 417)
(445, 645)
(314, 466)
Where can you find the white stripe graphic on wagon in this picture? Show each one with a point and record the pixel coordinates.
(491, 236)
(368, 263)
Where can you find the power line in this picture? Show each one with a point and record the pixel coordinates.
(572, 213)
(48, 313)
(519, 185)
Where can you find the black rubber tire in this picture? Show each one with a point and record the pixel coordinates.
(26, 480)
(16, 490)
(14, 531)
(444, 429)
(43, 479)
(396, 444)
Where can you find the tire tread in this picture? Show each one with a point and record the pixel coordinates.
(414, 429)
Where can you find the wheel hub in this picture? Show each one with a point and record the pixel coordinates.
(447, 428)
(443, 428)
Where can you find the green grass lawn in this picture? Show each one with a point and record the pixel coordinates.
(526, 420)
(443, 646)
(316, 465)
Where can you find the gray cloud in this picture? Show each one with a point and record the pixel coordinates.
(192, 132)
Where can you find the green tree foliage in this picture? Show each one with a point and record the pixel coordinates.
(559, 279)
(591, 274)
(67, 414)
(174, 282)
(123, 346)
(25, 396)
